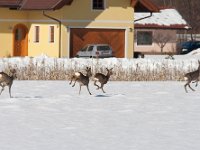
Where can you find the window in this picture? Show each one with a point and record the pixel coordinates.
(51, 34)
(18, 34)
(144, 38)
(37, 35)
(84, 48)
(90, 48)
(98, 4)
(103, 48)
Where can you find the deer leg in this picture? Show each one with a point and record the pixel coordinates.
(190, 87)
(80, 90)
(2, 90)
(95, 83)
(102, 88)
(71, 80)
(196, 84)
(186, 88)
(74, 83)
(10, 90)
(88, 90)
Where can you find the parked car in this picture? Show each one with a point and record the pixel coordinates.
(189, 46)
(138, 55)
(96, 51)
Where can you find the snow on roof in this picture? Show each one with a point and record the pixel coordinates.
(166, 18)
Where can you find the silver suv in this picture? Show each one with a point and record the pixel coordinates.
(96, 51)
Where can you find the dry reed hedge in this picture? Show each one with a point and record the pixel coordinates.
(43, 68)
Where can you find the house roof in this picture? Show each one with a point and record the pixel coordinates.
(34, 4)
(139, 5)
(144, 6)
(9, 3)
(166, 18)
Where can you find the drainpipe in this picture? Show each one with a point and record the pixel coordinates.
(151, 13)
(57, 20)
(144, 17)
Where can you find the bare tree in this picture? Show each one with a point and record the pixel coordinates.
(161, 39)
(189, 9)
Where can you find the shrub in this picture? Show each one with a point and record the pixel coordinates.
(43, 68)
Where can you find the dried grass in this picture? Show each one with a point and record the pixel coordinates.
(133, 70)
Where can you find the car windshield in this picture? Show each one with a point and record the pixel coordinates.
(186, 44)
(198, 44)
(103, 48)
(90, 48)
(84, 48)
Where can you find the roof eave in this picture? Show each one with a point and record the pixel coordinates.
(151, 7)
(20, 5)
(153, 26)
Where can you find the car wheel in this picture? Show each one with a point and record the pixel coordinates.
(138, 55)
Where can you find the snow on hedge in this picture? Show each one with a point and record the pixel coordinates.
(149, 68)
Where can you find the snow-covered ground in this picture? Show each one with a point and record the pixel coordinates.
(195, 54)
(50, 115)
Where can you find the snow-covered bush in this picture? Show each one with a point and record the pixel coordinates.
(148, 69)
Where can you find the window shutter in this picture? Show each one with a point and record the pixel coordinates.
(51, 34)
(37, 34)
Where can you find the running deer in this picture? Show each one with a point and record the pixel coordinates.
(192, 76)
(102, 79)
(82, 79)
(6, 80)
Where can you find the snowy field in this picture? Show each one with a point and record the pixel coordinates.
(50, 115)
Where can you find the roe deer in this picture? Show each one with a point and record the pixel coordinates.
(192, 76)
(82, 79)
(102, 79)
(6, 80)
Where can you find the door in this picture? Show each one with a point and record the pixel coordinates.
(80, 37)
(20, 40)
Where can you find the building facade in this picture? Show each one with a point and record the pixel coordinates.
(59, 28)
(157, 33)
